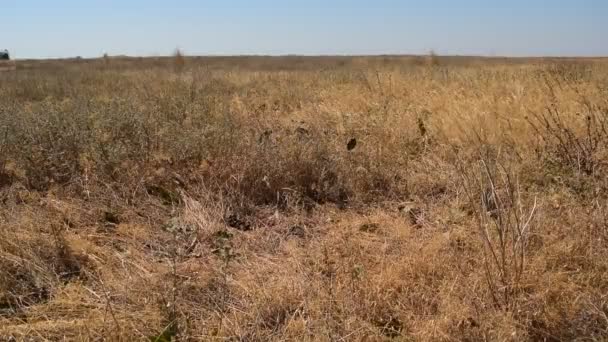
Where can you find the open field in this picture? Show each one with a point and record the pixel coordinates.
(225, 198)
(7, 66)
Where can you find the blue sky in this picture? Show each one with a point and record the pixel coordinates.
(64, 28)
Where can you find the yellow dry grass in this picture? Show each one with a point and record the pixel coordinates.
(202, 199)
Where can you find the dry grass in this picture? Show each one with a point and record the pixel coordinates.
(7, 65)
(216, 199)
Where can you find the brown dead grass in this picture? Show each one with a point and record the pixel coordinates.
(216, 199)
(7, 66)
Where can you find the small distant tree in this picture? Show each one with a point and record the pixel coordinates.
(4, 55)
(178, 60)
(106, 58)
(432, 58)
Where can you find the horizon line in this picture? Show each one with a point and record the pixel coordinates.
(244, 55)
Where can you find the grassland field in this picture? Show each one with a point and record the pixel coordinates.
(297, 198)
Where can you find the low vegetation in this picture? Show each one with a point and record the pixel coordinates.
(291, 198)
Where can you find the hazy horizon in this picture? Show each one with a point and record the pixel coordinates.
(70, 28)
(169, 55)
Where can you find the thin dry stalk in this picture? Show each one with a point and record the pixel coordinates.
(504, 224)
